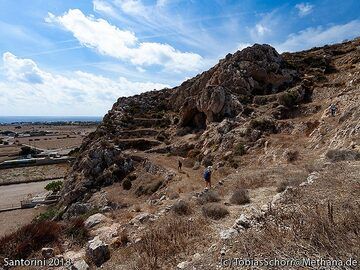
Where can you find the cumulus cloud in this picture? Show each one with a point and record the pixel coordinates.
(304, 9)
(319, 36)
(79, 91)
(25, 70)
(109, 40)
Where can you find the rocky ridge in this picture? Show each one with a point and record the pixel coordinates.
(257, 117)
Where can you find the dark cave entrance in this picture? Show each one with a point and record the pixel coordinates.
(194, 119)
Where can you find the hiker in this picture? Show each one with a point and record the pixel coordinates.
(207, 177)
(179, 165)
(333, 109)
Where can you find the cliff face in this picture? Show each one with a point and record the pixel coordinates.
(231, 108)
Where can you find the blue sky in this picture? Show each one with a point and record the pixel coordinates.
(77, 57)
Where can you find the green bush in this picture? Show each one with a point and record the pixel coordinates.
(240, 149)
(54, 186)
(47, 215)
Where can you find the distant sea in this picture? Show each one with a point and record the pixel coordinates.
(47, 119)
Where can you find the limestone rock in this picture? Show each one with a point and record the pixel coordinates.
(97, 251)
(94, 220)
(228, 233)
(80, 265)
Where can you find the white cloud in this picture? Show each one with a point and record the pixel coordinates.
(304, 9)
(75, 93)
(261, 29)
(109, 40)
(242, 46)
(24, 70)
(133, 7)
(104, 7)
(162, 3)
(265, 26)
(320, 36)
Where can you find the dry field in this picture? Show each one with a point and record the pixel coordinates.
(10, 221)
(9, 152)
(35, 173)
(52, 142)
(61, 137)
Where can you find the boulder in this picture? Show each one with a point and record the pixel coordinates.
(94, 220)
(77, 209)
(80, 265)
(47, 253)
(183, 265)
(97, 251)
(243, 222)
(228, 233)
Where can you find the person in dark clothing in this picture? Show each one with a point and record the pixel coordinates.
(207, 177)
(333, 109)
(179, 165)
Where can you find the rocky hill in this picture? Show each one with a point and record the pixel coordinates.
(285, 181)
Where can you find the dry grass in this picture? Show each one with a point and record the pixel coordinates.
(32, 237)
(214, 211)
(29, 239)
(311, 231)
(282, 185)
(240, 196)
(77, 231)
(18, 175)
(342, 154)
(163, 243)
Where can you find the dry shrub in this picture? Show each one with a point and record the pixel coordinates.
(166, 240)
(77, 231)
(122, 240)
(342, 154)
(240, 196)
(29, 239)
(182, 208)
(281, 186)
(311, 231)
(291, 155)
(126, 184)
(208, 197)
(214, 211)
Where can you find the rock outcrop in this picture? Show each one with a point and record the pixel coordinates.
(232, 107)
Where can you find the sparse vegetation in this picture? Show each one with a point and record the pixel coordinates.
(214, 211)
(240, 196)
(342, 154)
(291, 155)
(77, 231)
(313, 231)
(48, 214)
(282, 185)
(29, 239)
(182, 208)
(240, 149)
(166, 240)
(126, 184)
(208, 197)
(263, 124)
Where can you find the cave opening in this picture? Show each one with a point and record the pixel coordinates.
(194, 119)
